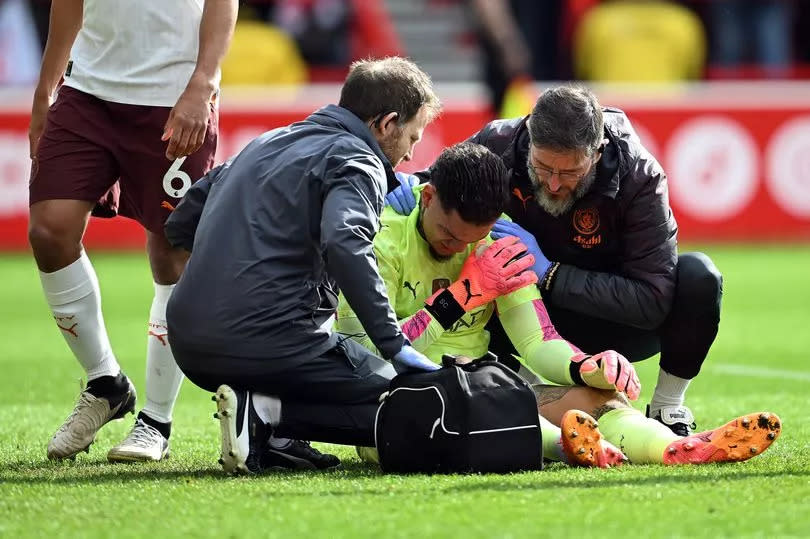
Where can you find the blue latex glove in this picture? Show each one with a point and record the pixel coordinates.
(401, 198)
(505, 228)
(408, 359)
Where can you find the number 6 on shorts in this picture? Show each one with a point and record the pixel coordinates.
(174, 173)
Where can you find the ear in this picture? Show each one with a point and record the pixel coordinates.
(388, 123)
(428, 194)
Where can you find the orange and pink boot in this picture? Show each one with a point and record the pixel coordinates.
(583, 444)
(738, 440)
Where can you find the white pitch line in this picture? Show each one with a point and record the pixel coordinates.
(760, 372)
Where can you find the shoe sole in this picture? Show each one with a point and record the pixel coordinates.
(134, 457)
(738, 440)
(231, 459)
(581, 442)
(127, 407)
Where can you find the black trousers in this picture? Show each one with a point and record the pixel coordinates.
(683, 339)
(331, 398)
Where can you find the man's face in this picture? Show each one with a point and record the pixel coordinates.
(560, 178)
(397, 142)
(445, 231)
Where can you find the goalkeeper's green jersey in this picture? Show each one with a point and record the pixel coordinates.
(412, 275)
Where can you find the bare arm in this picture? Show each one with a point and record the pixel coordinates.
(64, 25)
(188, 120)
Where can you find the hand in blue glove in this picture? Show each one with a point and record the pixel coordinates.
(408, 359)
(505, 228)
(402, 199)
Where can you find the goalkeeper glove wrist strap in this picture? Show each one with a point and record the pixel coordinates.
(445, 309)
(573, 370)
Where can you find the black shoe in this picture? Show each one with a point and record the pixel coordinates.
(678, 419)
(244, 435)
(298, 455)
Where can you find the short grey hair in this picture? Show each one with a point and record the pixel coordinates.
(567, 118)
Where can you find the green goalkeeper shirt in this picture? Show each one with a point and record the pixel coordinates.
(411, 275)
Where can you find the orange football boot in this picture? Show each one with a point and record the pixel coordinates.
(738, 440)
(583, 444)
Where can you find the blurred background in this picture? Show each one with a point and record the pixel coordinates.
(719, 90)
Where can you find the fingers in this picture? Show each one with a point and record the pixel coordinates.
(608, 364)
(502, 243)
(502, 226)
(518, 266)
(519, 281)
(509, 252)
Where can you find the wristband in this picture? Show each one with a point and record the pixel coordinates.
(548, 278)
(573, 370)
(445, 309)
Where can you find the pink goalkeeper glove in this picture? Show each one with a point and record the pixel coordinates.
(608, 370)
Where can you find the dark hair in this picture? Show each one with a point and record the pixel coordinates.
(375, 88)
(567, 118)
(473, 181)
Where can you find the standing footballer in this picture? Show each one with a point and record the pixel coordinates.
(129, 129)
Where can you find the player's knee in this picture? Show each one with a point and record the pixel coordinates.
(699, 282)
(47, 236)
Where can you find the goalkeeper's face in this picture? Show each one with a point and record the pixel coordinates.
(444, 230)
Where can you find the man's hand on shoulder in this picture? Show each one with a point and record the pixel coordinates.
(402, 199)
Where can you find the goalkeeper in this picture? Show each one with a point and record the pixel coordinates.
(444, 283)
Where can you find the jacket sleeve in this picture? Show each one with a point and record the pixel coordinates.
(640, 294)
(351, 208)
(181, 226)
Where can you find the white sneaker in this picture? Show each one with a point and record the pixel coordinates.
(144, 443)
(88, 416)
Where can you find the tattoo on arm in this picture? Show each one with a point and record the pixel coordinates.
(547, 394)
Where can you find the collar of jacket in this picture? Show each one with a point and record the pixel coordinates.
(607, 170)
(333, 115)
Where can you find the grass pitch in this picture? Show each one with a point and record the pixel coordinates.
(759, 362)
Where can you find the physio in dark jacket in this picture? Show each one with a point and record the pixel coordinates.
(592, 205)
(275, 233)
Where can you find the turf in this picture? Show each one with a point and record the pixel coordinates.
(759, 362)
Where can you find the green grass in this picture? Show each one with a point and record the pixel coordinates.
(759, 362)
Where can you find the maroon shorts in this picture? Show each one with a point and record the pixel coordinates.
(111, 153)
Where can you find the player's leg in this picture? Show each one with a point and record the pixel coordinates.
(329, 398)
(149, 438)
(72, 170)
(645, 440)
(569, 434)
(151, 187)
(686, 336)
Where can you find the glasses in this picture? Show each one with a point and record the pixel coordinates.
(545, 174)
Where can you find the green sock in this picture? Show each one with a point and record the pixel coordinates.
(642, 439)
(552, 448)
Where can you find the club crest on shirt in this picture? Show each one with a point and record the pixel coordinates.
(586, 220)
(438, 284)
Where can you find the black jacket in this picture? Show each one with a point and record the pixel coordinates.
(617, 244)
(274, 233)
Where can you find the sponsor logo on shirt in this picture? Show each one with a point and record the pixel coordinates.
(523, 199)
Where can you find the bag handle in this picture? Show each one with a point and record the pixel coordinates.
(449, 360)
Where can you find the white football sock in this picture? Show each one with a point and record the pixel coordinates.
(163, 376)
(268, 408)
(75, 300)
(669, 391)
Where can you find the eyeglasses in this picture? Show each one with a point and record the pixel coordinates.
(545, 174)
